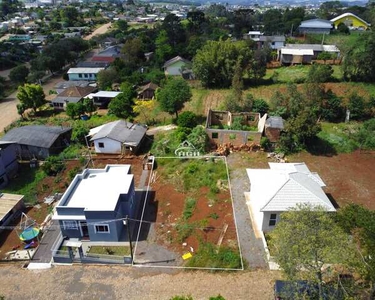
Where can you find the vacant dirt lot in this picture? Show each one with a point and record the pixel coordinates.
(105, 282)
(349, 177)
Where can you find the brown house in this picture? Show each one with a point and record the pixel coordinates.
(147, 92)
(72, 94)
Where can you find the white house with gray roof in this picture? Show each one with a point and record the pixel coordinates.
(118, 137)
(280, 188)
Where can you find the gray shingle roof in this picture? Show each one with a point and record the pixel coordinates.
(272, 38)
(35, 135)
(121, 131)
(275, 122)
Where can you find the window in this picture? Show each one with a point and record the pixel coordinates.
(80, 75)
(101, 145)
(102, 228)
(215, 135)
(272, 221)
(86, 75)
(70, 225)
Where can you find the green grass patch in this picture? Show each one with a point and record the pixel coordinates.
(110, 250)
(26, 183)
(341, 136)
(211, 256)
(189, 208)
(196, 105)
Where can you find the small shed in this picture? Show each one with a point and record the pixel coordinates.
(147, 92)
(273, 128)
(38, 141)
(11, 206)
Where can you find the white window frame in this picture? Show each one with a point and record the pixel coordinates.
(70, 225)
(272, 219)
(96, 230)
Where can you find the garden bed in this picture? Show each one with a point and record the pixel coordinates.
(194, 212)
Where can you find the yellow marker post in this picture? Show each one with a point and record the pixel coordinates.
(187, 256)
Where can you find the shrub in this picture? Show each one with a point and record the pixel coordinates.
(53, 165)
(187, 119)
(189, 208)
(260, 106)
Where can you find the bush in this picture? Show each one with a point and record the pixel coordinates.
(187, 119)
(189, 208)
(260, 106)
(199, 138)
(53, 165)
(265, 143)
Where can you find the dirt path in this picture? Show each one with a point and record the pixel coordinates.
(8, 105)
(102, 29)
(106, 282)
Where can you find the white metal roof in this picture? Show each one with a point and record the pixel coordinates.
(284, 186)
(84, 70)
(288, 51)
(98, 189)
(104, 94)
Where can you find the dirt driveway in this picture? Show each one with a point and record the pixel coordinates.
(8, 105)
(114, 282)
(102, 29)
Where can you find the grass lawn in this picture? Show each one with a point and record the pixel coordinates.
(341, 136)
(25, 183)
(110, 250)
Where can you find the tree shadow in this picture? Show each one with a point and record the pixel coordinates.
(147, 145)
(320, 147)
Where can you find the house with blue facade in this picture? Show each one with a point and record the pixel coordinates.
(96, 203)
(8, 162)
(87, 74)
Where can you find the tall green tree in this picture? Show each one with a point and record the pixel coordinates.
(173, 95)
(214, 65)
(307, 238)
(122, 105)
(173, 27)
(19, 74)
(163, 50)
(31, 96)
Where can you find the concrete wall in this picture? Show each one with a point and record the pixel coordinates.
(110, 146)
(273, 134)
(236, 137)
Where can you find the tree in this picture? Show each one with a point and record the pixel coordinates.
(357, 106)
(173, 95)
(121, 25)
(260, 106)
(105, 78)
(133, 51)
(366, 134)
(21, 108)
(19, 74)
(88, 106)
(305, 239)
(342, 28)
(31, 96)
(187, 119)
(215, 64)
(319, 73)
(359, 222)
(163, 50)
(75, 110)
(199, 138)
(122, 105)
(175, 32)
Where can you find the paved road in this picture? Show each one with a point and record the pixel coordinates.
(251, 248)
(115, 282)
(102, 29)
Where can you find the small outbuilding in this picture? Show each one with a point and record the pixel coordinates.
(11, 206)
(147, 92)
(38, 141)
(178, 66)
(273, 128)
(118, 137)
(73, 94)
(315, 26)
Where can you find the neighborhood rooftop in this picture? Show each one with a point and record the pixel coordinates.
(174, 60)
(284, 186)
(121, 131)
(7, 202)
(98, 189)
(35, 135)
(105, 94)
(85, 70)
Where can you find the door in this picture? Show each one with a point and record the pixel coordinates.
(83, 228)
